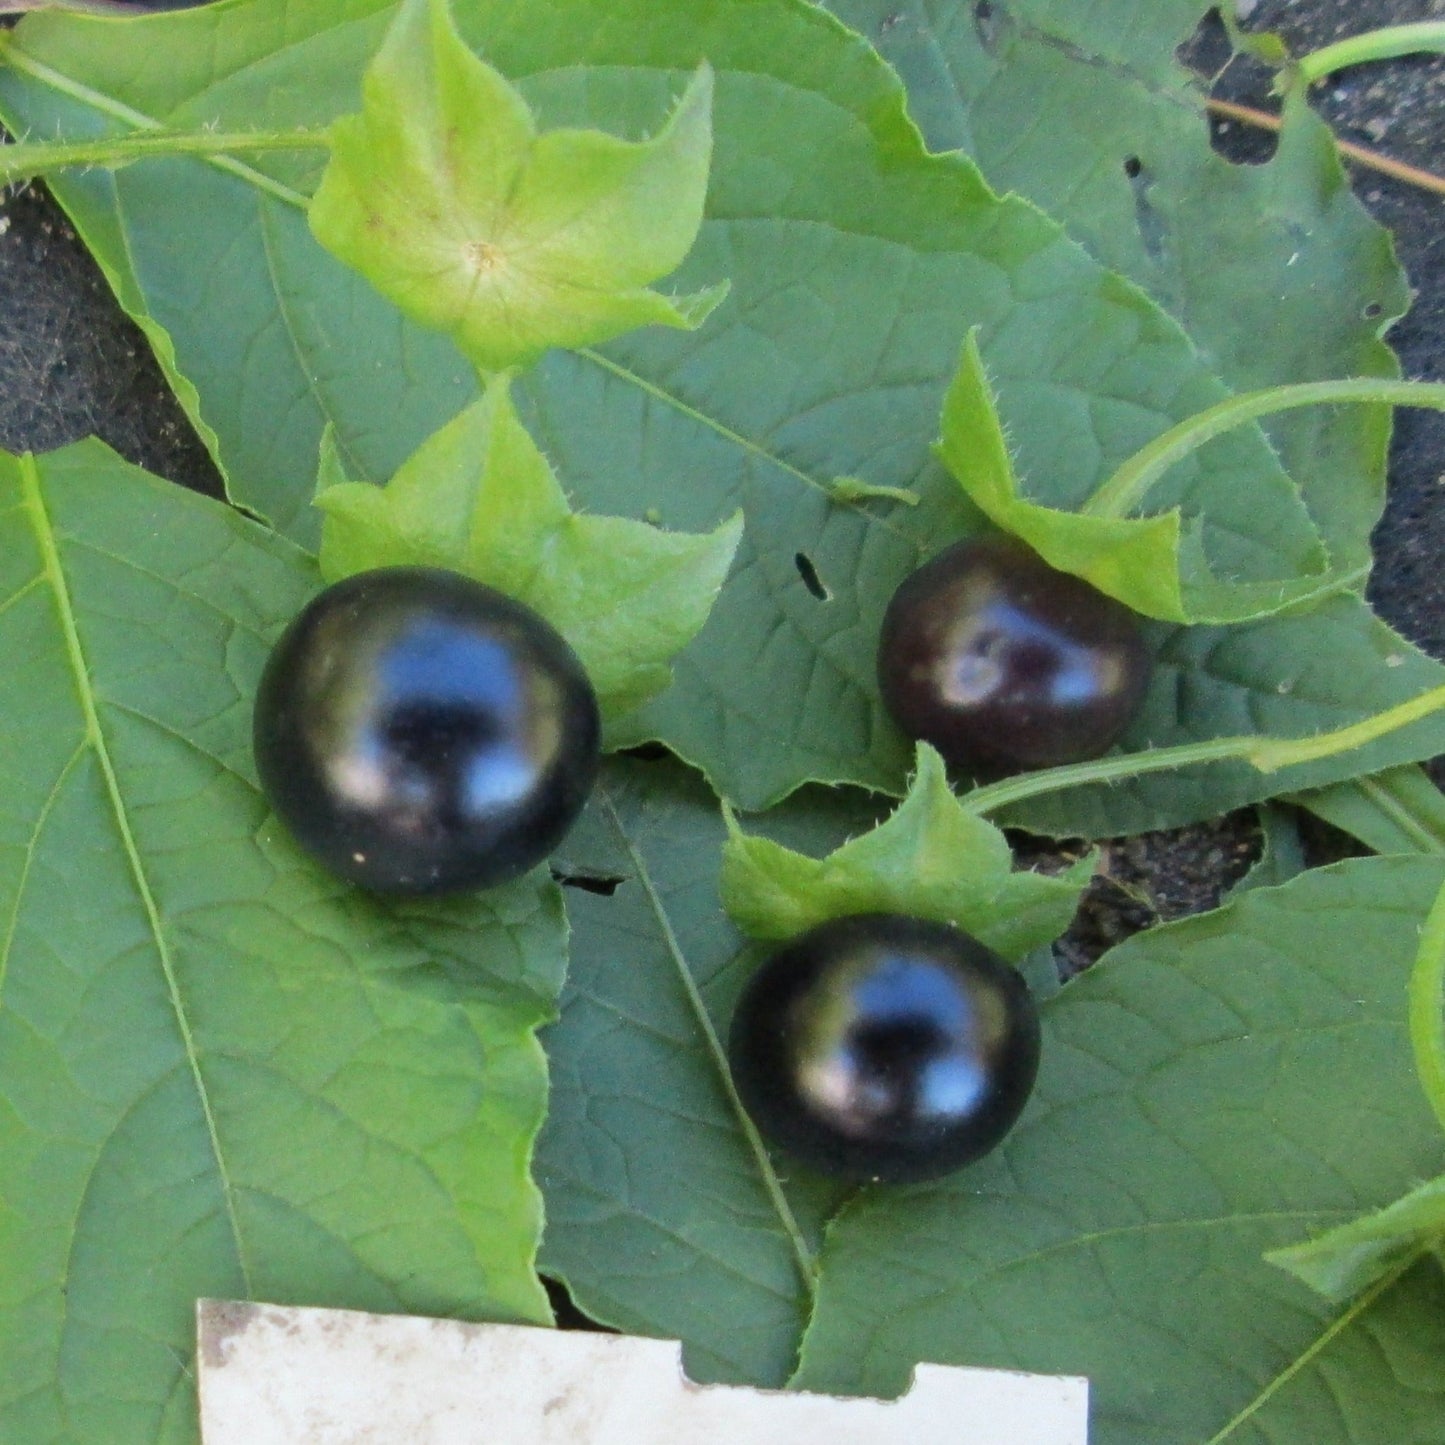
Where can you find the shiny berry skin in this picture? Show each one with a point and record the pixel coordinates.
(1004, 664)
(419, 732)
(884, 1047)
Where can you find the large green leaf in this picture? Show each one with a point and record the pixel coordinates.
(1276, 270)
(858, 264)
(1210, 1090)
(662, 1216)
(221, 1073)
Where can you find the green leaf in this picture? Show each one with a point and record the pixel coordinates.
(221, 1072)
(1396, 811)
(858, 264)
(479, 497)
(1342, 1262)
(442, 194)
(1427, 1008)
(931, 858)
(1117, 147)
(1212, 1089)
(665, 1216)
(1154, 564)
(1282, 856)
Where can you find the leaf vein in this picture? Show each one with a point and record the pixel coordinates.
(95, 736)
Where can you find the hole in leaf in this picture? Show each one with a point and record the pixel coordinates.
(603, 885)
(1225, 75)
(1209, 50)
(1244, 145)
(564, 1307)
(988, 22)
(1373, 311)
(809, 574)
(1153, 228)
(644, 752)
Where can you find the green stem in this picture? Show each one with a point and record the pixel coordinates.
(25, 159)
(1123, 492)
(1387, 43)
(1271, 754)
(1427, 1008)
(1267, 755)
(16, 58)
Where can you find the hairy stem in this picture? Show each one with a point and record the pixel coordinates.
(1265, 754)
(25, 160)
(1124, 491)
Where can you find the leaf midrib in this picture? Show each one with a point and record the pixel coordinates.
(803, 1255)
(45, 536)
(1359, 1306)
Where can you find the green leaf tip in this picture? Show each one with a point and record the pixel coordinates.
(443, 193)
(932, 858)
(1344, 1262)
(479, 497)
(1155, 565)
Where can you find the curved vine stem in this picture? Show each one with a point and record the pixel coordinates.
(1267, 755)
(1390, 42)
(1427, 1008)
(1123, 491)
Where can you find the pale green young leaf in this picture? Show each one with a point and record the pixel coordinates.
(931, 858)
(1155, 564)
(479, 497)
(443, 194)
(1345, 1261)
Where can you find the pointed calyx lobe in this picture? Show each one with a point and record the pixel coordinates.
(1155, 564)
(480, 498)
(443, 194)
(931, 858)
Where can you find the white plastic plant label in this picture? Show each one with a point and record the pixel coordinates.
(274, 1376)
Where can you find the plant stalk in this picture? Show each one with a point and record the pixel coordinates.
(1267, 755)
(1127, 488)
(25, 160)
(1390, 42)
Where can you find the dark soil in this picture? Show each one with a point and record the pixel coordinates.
(71, 364)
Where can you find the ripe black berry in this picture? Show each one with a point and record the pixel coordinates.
(419, 732)
(1003, 663)
(884, 1047)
